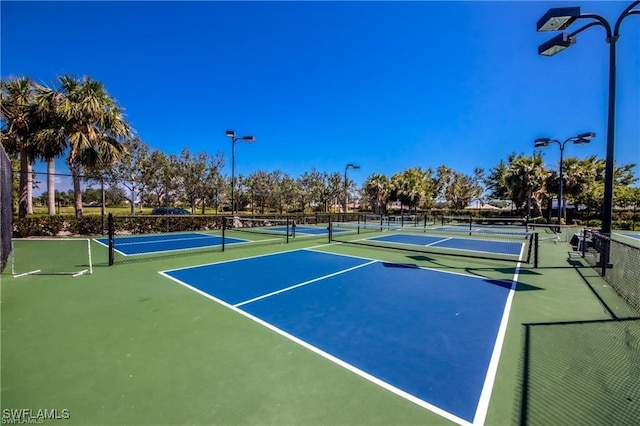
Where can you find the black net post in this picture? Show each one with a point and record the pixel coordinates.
(604, 255)
(330, 229)
(535, 249)
(224, 229)
(111, 237)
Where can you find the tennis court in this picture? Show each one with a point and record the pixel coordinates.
(488, 229)
(633, 237)
(324, 331)
(426, 335)
(459, 244)
(165, 243)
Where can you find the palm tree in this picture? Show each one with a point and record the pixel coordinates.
(94, 127)
(50, 136)
(378, 189)
(410, 187)
(525, 179)
(17, 97)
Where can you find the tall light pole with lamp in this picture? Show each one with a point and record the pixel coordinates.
(232, 135)
(558, 19)
(581, 139)
(346, 186)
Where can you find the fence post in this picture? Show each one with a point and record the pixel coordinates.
(111, 237)
(224, 229)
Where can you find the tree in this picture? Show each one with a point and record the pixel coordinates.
(496, 184)
(158, 178)
(17, 100)
(331, 187)
(461, 189)
(410, 187)
(49, 137)
(94, 127)
(259, 189)
(377, 188)
(131, 169)
(308, 184)
(525, 180)
(285, 190)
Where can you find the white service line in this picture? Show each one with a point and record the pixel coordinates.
(273, 293)
(439, 241)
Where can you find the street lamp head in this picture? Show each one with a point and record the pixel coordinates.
(248, 139)
(586, 136)
(581, 141)
(556, 44)
(541, 142)
(352, 166)
(231, 134)
(557, 19)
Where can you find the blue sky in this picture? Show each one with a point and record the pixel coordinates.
(321, 84)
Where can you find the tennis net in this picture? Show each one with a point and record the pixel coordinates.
(402, 220)
(497, 222)
(258, 230)
(510, 247)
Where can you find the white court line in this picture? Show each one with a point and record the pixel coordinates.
(264, 296)
(438, 242)
(326, 355)
(490, 378)
(634, 237)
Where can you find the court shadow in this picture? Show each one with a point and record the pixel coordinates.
(481, 272)
(400, 265)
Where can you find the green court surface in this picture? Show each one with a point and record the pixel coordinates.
(125, 345)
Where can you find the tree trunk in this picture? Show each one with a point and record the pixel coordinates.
(22, 202)
(132, 200)
(29, 189)
(51, 186)
(77, 189)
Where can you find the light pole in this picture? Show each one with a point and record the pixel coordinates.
(349, 166)
(580, 139)
(232, 135)
(558, 19)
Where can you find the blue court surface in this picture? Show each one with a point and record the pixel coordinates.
(311, 230)
(146, 244)
(426, 335)
(511, 248)
(486, 229)
(632, 235)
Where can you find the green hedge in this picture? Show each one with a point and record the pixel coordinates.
(60, 225)
(51, 226)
